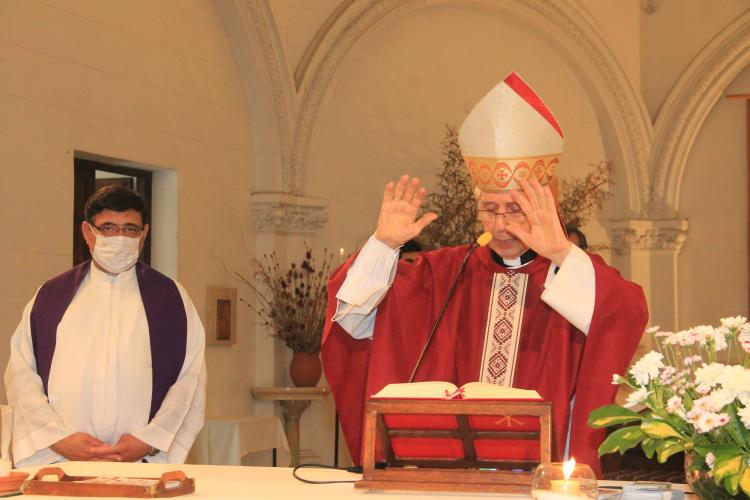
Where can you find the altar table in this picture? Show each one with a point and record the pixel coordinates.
(257, 483)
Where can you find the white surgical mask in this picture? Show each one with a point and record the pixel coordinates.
(116, 254)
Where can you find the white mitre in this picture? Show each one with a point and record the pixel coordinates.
(509, 135)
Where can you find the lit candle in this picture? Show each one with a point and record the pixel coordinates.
(341, 254)
(562, 489)
(566, 485)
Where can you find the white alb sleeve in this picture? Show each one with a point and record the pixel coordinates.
(36, 424)
(572, 290)
(366, 283)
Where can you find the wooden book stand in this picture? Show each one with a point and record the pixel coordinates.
(455, 445)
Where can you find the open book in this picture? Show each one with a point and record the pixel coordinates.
(446, 390)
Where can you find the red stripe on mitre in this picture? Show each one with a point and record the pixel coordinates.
(527, 94)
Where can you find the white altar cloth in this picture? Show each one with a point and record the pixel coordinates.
(225, 440)
(225, 482)
(260, 483)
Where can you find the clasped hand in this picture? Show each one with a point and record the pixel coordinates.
(82, 446)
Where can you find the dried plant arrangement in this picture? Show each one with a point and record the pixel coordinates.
(580, 196)
(291, 301)
(454, 200)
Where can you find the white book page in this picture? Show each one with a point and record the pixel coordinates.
(417, 390)
(482, 390)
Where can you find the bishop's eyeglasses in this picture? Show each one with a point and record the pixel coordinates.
(129, 230)
(516, 216)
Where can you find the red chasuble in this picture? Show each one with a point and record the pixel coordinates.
(551, 355)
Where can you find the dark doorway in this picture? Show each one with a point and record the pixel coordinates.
(90, 175)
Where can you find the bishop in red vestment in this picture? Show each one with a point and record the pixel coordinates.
(530, 310)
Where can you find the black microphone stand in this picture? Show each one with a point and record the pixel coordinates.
(442, 310)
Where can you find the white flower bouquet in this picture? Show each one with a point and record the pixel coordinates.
(695, 395)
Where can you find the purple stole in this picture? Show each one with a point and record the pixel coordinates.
(165, 314)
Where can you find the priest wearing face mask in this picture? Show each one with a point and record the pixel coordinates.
(107, 362)
(529, 311)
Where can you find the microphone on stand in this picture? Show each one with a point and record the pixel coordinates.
(482, 241)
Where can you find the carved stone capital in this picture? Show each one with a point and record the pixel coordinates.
(287, 213)
(649, 235)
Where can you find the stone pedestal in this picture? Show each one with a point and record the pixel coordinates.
(293, 401)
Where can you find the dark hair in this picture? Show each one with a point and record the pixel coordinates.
(116, 198)
(411, 246)
(582, 243)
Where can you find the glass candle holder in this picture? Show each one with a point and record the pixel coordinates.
(563, 481)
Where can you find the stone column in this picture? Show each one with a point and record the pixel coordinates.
(646, 252)
(283, 223)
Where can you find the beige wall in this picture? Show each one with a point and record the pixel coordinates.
(386, 110)
(207, 89)
(713, 265)
(149, 82)
(672, 35)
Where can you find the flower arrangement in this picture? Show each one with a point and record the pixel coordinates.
(695, 390)
(291, 301)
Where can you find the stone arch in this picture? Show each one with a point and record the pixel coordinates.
(566, 22)
(686, 108)
(261, 62)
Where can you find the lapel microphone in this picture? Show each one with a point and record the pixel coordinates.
(482, 241)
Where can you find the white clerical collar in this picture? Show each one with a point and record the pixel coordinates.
(512, 262)
(519, 261)
(101, 275)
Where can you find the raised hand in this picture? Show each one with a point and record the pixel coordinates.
(78, 446)
(128, 449)
(545, 234)
(397, 222)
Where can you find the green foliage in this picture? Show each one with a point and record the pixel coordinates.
(649, 445)
(610, 415)
(667, 448)
(658, 429)
(745, 481)
(621, 440)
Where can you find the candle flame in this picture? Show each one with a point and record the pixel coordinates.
(568, 467)
(341, 251)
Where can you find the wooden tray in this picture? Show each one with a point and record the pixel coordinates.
(170, 484)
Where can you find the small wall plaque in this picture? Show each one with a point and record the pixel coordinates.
(221, 325)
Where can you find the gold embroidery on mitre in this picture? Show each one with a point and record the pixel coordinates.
(503, 174)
